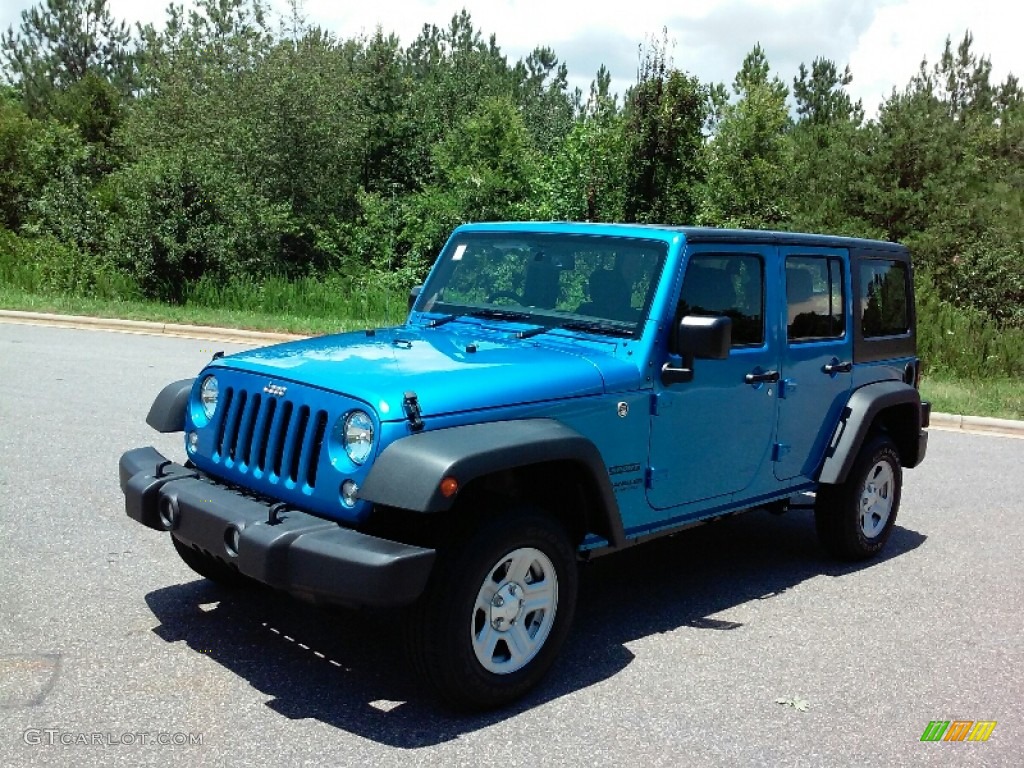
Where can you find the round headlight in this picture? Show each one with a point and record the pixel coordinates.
(209, 392)
(357, 436)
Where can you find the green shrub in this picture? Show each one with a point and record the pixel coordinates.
(965, 343)
(369, 299)
(180, 219)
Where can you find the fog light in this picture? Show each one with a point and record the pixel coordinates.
(231, 537)
(193, 441)
(348, 493)
(168, 511)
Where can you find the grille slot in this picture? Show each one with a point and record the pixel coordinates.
(232, 416)
(277, 437)
(248, 425)
(228, 397)
(270, 437)
(266, 420)
(319, 432)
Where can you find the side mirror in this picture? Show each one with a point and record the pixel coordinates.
(704, 338)
(414, 293)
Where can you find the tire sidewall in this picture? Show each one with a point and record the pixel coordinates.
(451, 599)
(879, 449)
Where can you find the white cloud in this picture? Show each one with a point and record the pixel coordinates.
(900, 36)
(882, 40)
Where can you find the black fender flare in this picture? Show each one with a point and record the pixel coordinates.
(167, 414)
(408, 472)
(856, 421)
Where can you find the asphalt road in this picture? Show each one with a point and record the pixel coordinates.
(109, 644)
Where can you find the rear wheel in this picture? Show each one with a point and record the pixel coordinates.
(209, 567)
(855, 518)
(496, 612)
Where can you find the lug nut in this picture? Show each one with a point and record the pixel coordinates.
(498, 601)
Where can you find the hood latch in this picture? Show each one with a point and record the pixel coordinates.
(411, 406)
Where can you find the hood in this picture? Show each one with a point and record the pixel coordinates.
(449, 368)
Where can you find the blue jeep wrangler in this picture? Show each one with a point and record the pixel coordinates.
(559, 391)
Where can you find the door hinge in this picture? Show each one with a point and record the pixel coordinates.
(651, 475)
(779, 450)
(661, 402)
(787, 388)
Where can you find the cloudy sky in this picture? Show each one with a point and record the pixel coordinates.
(883, 41)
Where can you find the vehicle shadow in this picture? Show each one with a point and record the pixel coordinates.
(346, 668)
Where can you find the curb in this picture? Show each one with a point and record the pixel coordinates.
(946, 421)
(955, 422)
(143, 327)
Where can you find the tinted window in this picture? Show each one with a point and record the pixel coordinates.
(730, 285)
(883, 298)
(815, 298)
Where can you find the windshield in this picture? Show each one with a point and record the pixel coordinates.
(598, 284)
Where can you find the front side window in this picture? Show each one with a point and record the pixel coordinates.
(815, 299)
(729, 284)
(884, 287)
(547, 279)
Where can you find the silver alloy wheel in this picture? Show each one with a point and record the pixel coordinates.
(876, 499)
(514, 610)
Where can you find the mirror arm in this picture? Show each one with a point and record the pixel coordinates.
(671, 375)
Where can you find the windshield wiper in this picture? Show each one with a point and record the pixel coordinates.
(501, 314)
(441, 321)
(591, 326)
(532, 332)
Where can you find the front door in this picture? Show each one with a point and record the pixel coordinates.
(817, 358)
(712, 436)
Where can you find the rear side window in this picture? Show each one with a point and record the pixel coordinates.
(730, 284)
(815, 298)
(883, 296)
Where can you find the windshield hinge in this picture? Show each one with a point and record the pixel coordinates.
(411, 405)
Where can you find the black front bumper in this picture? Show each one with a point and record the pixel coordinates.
(284, 548)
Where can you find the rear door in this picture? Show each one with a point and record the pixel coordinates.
(817, 356)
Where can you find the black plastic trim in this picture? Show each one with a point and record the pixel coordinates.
(299, 553)
(864, 405)
(408, 472)
(878, 348)
(167, 414)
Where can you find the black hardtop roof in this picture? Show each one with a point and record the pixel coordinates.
(696, 234)
(774, 237)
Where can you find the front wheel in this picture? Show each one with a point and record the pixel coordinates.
(855, 518)
(496, 612)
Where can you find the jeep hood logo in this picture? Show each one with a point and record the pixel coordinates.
(275, 390)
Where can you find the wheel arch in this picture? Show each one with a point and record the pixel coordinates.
(892, 407)
(534, 460)
(167, 414)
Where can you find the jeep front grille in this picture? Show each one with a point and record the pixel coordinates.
(270, 437)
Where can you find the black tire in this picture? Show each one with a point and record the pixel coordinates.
(448, 631)
(209, 567)
(844, 529)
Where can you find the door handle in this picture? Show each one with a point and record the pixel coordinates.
(760, 377)
(837, 367)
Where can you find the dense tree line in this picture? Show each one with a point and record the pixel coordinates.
(227, 144)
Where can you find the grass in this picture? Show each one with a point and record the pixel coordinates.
(193, 314)
(1002, 398)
